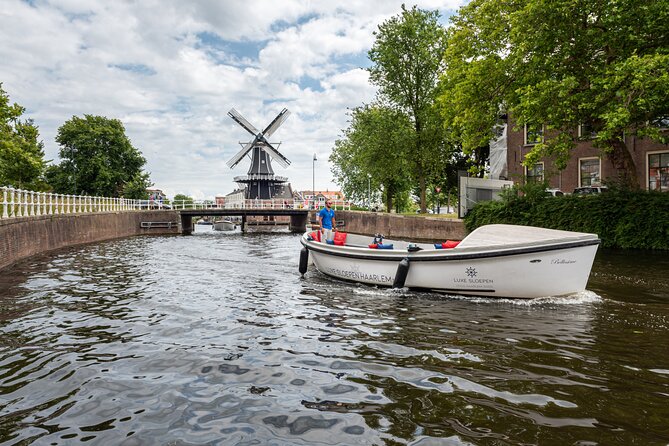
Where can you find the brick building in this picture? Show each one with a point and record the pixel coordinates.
(587, 166)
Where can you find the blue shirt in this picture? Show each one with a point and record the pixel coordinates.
(326, 218)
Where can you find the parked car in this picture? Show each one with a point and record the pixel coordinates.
(589, 190)
(554, 192)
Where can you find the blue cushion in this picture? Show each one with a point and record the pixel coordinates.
(438, 246)
(386, 246)
(330, 242)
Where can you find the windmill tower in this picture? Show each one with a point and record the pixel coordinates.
(260, 181)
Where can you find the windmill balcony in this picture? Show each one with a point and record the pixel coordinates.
(260, 176)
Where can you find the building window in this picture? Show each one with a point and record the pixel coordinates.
(658, 171)
(589, 172)
(535, 174)
(534, 134)
(587, 131)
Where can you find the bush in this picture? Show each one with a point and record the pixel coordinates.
(621, 218)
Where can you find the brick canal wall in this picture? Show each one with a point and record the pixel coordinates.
(27, 236)
(403, 227)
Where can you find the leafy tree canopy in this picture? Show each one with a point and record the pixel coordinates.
(21, 153)
(559, 63)
(137, 186)
(374, 151)
(181, 198)
(97, 159)
(406, 58)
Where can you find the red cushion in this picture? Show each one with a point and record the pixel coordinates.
(340, 237)
(316, 235)
(339, 242)
(448, 244)
(373, 246)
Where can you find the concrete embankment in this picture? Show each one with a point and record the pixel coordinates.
(403, 227)
(27, 236)
(23, 237)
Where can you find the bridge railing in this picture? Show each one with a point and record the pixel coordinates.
(25, 203)
(275, 203)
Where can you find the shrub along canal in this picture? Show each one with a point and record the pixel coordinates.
(216, 339)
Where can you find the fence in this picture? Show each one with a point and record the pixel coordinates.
(276, 203)
(24, 203)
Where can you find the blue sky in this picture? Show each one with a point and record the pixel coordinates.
(171, 70)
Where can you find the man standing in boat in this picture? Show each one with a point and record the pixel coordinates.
(326, 220)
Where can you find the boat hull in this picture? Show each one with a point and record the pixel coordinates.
(224, 226)
(524, 275)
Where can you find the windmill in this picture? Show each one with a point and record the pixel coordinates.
(260, 181)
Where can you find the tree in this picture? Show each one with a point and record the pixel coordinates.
(561, 64)
(21, 154)
(374, 151)
(97, 159)
(406, 58)
(182, 199)
(137, 187)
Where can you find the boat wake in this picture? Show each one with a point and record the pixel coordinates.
(580, 298)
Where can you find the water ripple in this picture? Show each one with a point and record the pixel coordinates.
(216, 339)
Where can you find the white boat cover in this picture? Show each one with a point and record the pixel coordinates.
(508, 235)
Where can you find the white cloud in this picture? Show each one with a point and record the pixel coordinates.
(170, 71)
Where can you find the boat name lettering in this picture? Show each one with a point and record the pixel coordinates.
(562, 261)
(357, 275)
(470, 280)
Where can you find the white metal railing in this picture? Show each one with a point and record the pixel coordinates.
(25, 203)
(275, 203)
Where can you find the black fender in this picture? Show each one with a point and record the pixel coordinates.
(304, 260)
(401, 274)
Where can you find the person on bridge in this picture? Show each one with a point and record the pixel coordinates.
(326, 220)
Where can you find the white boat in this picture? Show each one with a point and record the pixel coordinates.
(224, 225)
(494, 260)
(203, 222)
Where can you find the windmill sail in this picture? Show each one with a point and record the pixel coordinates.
(234, 114)
(238, 157)
(280, 118)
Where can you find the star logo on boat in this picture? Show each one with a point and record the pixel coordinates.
(471, 272)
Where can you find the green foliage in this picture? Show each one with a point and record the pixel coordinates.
(137, 186)
(97, 159)
(622, 218)
(561, 63)
(406, 60)
(21, 154)
(181, 198)
(373, 154)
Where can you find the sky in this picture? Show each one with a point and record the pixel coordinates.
(171, 70)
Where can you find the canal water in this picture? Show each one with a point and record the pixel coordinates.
(215, 339)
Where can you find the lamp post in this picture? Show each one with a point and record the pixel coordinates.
(313, 181)
(369, 192)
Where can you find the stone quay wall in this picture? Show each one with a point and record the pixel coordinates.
(402, 227)
(23, 237)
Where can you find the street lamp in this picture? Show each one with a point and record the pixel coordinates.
(313, 181)
(369, 192)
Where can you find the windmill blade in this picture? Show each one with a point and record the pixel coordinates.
(234, 114)
(280, 118)
(237, 158)
(267, 147)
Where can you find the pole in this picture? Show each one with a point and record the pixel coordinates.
(369, 192)
(313, 182)
(74, 171)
